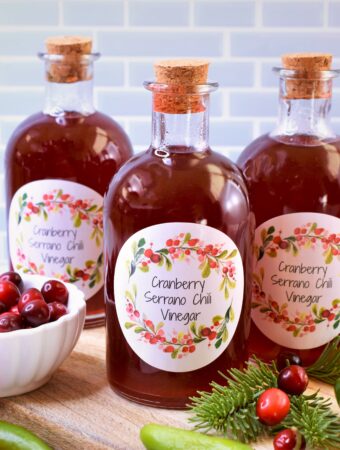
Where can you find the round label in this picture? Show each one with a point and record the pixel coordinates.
(179, 293)
(296, 281)
(56, 229)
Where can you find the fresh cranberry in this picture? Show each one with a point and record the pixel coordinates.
(289, 439)
(9, 294)
(55, 291)
(57, 310)
(10, 322)
(14, 277)
(14, 310)
(36, 312)
(272, 406)
(287, 359)
(293, 380)
(28, 296)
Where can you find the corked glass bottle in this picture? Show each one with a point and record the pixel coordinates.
(177, 233)
(293, 176)
(59, 163)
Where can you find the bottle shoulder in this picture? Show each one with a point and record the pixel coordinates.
(197, 172)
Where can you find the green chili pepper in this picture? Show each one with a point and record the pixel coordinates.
(337, 390)
(13, 437)
(161, 437)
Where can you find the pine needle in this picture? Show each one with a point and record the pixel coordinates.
(327, 367)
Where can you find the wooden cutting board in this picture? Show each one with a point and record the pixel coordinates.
(77, 410)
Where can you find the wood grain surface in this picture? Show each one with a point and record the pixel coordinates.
(77, 410)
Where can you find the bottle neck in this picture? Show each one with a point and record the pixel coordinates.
(69, 97)
(309, 117)
(187, 132)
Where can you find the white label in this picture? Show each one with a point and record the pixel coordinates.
(179, 292)
(56, 229)
(296, 283)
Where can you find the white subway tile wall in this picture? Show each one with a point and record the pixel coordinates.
(242, 38)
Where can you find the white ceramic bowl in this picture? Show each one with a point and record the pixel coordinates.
(29, 357)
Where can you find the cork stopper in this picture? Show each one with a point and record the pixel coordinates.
(70, 68)
(179, 74)
(307, 83)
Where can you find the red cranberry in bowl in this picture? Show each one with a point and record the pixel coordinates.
(14, 277)
(10, 322)
(9, 295)
(28, 296)
(55, 291)
(35, 313)
(57, 310)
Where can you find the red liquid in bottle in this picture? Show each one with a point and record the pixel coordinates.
(156, 198)
(58, 167)
(294, 189)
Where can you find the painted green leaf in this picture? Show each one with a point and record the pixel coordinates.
(336, 302)
(336, 324)
(263, 234)
(271, 230)
(193, 327)
(45, 215)
(232, 314)
(174, 353)
(315, 310)
(141, 242)
(91, 208)
(138, 329)
(27, 218)
(129, 325)
(217, 319)
(218, 343)
(231, 284)
(328, 256)
(77, 221)
(159, 326)
(222, 255)
(206, 269)
(312, 228)
(24, 197)
(168, 264)
(232, 254)
(255, 305)
(225, 335)
(68, 269)
(144, 268)
(186, 238)
(165, 251)
(129, 296)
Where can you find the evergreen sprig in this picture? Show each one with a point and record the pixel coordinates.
(231, 409)
(327, 367)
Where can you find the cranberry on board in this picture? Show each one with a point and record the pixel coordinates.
(289, 439)
(55, 291)
(10, 322)
(293, 380)
(14, 310)
(28, 296)
(9, 294)
(14, 277)
(57, 310)
(36, 313)
(272, 406)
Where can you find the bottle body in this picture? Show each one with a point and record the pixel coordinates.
(58, 169)
(293, 178)
(177, 193)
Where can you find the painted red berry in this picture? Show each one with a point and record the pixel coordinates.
(277, 239)
(155, 258)
(212, 335)
(9, 295)
(28, 296)
(192, 242)
(187, 251)
(192, 348)
(176, 242)
(212, 264)
(57, 310)
(148, 252)
(325, 313)
(293, 380)
(206, 331)
(36, 313)
(169, 242)
(172, 250)
(169, 349)
(55, 291)
(283, 245)
(10, 322)
(14, 277)
(272, 406)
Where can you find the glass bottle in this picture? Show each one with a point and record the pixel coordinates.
(293, 176)
(59, 163)
(177, 234)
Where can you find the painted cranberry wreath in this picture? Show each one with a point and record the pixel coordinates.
(81, 210)
(309, 235)
(302, 323)
(181, 248)
(180, 343)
